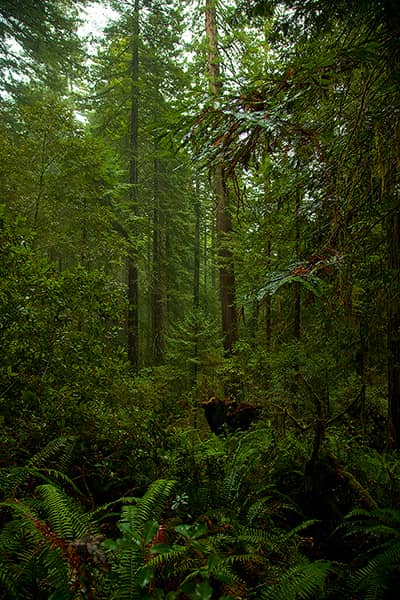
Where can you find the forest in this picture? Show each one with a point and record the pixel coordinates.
(200, 299)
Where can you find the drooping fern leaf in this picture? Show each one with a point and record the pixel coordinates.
(11, 481)
(63, 515)
(58, 574)
(378, 532)
(300, 582)
(58, 450)
(252, 536)
(138, 524)
(39, 543)
(248, 454)
(7, 586)
(29, 552)
(375, 578)
(153, 502)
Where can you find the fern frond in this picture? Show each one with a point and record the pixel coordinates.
(149, 506)
(57, 571)
(154, 500)
(301, 527)
(133, 553)
(10, 535)
(14, 479)
(10, 480)
(37, 467)
(267, 507)
(7, 585)
(380, 533)
(382, 524)
(131, 560)
(180, 568)
(60, 449)
(103, 510)
(234, 559)
(258, 508)
(232, 483)
(222, 570)
(248, 454)
(64, 517)
(302, 581)
(24, 518)
(27, 551)
(388, 516)
(167, 558)
(374, 577)
(53, 475)
(254, 536)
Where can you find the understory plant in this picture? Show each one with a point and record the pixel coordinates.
(51, 548)
(375, 537)
(238, 562)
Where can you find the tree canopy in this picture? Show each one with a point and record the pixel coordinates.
(200, 300)
(38, 38)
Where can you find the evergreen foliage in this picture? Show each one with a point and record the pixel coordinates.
(39, 39)
(379, 532)
(139, 525)
(132, 304)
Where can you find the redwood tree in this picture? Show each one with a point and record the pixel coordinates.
(222, 213)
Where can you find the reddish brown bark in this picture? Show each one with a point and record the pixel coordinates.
(222, 216)
(133, 280)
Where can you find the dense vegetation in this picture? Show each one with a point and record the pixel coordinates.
(200, 300)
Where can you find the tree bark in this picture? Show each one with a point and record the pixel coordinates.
(196, 273)
(392, 18)
(267, 304)
(132, 320)
(226, 267)
(297, 287)
(393, 329)
(222, 215)
(133, 279)
(157, 288)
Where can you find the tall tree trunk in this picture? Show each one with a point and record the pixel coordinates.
(223, 217)
(84, 236)
(393, 329)
(267, 303)
(392, 17)
(361, 370)
(297, 288)
(196, 271)
(43, 167)
(157, 291)
(206, 261)
(196, 277)
(133, 279)
(132, 321)
(268, 247)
